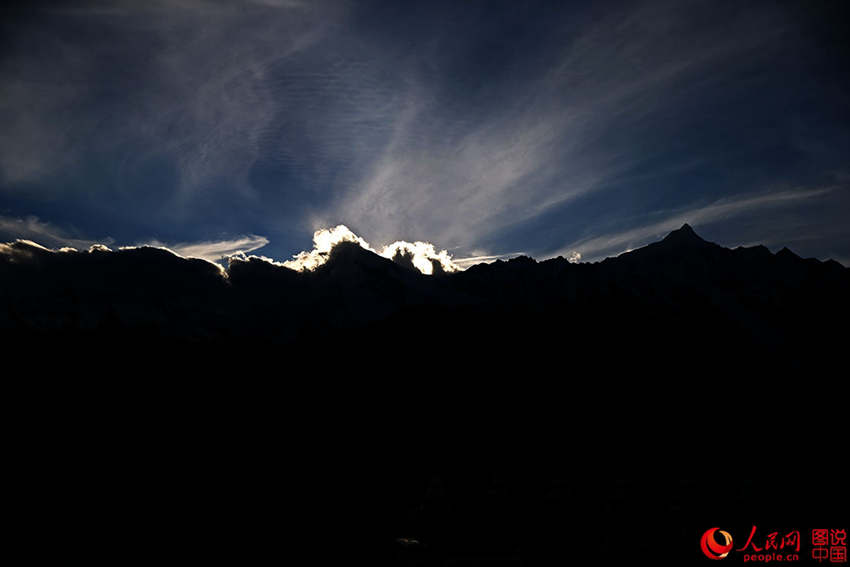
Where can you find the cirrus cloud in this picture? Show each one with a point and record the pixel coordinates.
(215, 250)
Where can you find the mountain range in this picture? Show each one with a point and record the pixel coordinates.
(682, 293)
(365, 412)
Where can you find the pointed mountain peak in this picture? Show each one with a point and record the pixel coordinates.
(786, 253)
(685, 234)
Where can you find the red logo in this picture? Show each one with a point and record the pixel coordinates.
(711, 548)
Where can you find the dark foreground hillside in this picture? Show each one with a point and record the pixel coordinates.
(517, 413)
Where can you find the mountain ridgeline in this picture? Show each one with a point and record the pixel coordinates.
(681, 300)
(367, 413)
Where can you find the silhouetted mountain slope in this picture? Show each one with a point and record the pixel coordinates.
(679, 291)
(320, 416)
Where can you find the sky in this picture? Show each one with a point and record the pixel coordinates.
(490, 129)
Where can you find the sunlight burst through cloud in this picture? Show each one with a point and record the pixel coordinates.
(422, 254)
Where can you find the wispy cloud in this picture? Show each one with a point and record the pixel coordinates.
(44, 233)
(460, 177)
(612, 244)
(471, 260)
(214, 250)
(198, 94)
(450, 124)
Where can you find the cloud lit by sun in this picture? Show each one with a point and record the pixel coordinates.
(422, 254)
(323, 241)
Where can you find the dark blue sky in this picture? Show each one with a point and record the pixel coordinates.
(484, 127)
